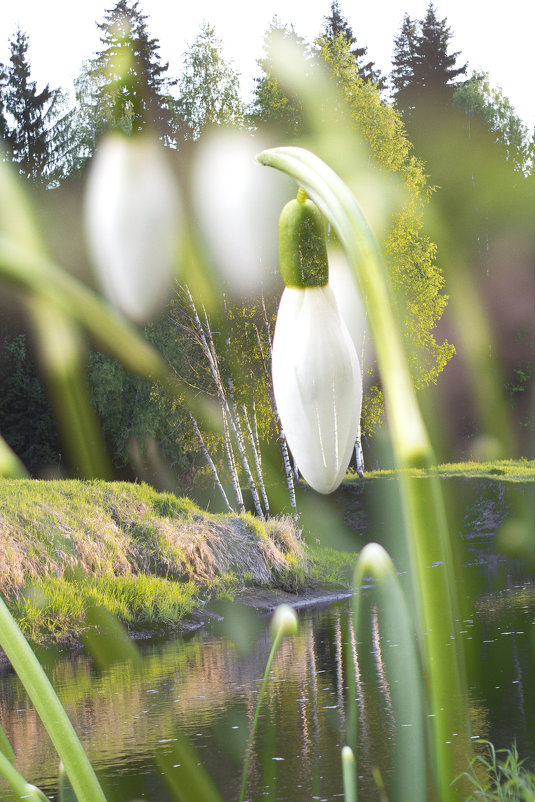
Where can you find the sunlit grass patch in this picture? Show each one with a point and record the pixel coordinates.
(510, 470)
(329, 566)
(56, 608)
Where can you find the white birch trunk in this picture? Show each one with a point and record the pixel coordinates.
(210, 463)
(255, 448)
(232, 465)
(233, 420)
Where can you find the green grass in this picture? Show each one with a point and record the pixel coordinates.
(520, 470)
(148, 558)
(56, 608)
(500, 780)
(331, 567)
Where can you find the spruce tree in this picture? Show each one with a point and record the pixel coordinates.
(435, 69)
(133, 89)
(403, 72)
(3, 122)
(424, 72)
(337, 25)
(29, 113)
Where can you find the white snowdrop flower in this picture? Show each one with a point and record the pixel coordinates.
(132, 220)
(315, 368)
(344, 286)
(317, 384)
(237, 205)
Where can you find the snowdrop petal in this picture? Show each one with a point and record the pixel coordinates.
(344, 286)
(317, 384)
(132, 219)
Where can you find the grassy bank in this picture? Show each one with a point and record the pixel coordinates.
(511, 470)
(150, 558)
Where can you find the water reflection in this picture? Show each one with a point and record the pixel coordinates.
(206, 686)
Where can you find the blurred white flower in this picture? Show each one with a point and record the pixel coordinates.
(132, 219)
(237, 204)
(283, 622)
(317, 384)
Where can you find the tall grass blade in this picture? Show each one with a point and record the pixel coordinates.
(17, 782)
(399, 661)
(349, 774)
(185, 775)
(49, 709)
(5, 747)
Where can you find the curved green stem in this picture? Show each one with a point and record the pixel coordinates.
(23, 789)
(50, 710)
(276, 643)
(422, 502)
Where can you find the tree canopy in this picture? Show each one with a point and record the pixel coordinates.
(271, 104)
(209, 92)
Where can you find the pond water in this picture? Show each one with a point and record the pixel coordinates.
(205, 686)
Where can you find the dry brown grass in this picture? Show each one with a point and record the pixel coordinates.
(53, 528)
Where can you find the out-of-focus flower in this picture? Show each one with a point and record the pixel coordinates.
(237, 204)
(317, 384)
(283, 622)
(132, 220)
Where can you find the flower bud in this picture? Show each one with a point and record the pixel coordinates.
(317, 384)
(302, 244)
(132, 219)
(283, 622)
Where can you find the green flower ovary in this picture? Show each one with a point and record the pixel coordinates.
(302, 244)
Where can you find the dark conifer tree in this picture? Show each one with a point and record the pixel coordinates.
(134, 88)
(435, 69)
(28, 119)
(337, 25)
(3, 122)
(424, 72)
(403, 75)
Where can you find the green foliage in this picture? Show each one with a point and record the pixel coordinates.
(522, 470)
(132, 89)
(336, 25)
(271, 104)
(486, 106)
(424, 70)
(135, 412)
(28, 424)
(329, 566)
(417, 280)
(208, 88)
(373, 411)
(57, 608)
(144, 556)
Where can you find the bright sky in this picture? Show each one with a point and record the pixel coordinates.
(496, 37)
